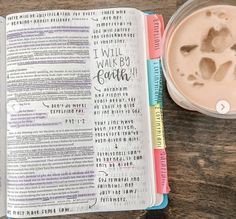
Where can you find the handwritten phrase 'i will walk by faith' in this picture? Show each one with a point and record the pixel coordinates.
(113, 65)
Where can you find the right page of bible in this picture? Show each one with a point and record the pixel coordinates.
(79, 137)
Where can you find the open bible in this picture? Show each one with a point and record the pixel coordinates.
(81, 120)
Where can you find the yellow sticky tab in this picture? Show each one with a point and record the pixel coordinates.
(158, 139)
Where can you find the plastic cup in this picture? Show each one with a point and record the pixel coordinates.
(222, 108)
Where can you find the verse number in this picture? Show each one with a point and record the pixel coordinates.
(74, 121)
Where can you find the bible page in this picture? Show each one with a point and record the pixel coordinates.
(79, 136)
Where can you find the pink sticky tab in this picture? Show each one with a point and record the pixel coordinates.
(155, 25)
(162, 185)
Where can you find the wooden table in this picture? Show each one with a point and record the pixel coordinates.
(201, 150)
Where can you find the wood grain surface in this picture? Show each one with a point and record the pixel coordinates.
(201, 150)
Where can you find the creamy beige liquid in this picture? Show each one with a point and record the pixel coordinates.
(201, 57)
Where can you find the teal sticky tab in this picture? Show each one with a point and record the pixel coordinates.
(155, 82)
(162, 205)
(150, 12)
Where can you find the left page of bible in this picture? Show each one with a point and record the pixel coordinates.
(78, 122)
(2, 118)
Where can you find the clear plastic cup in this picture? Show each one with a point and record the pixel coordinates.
(185, 10)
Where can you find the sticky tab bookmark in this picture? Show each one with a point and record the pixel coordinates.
(155, 31)
(154, 82)
(162, 185)
(155, 25)
(158, 140)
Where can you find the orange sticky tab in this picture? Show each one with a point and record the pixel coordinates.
(155, 25)
(162, 185)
